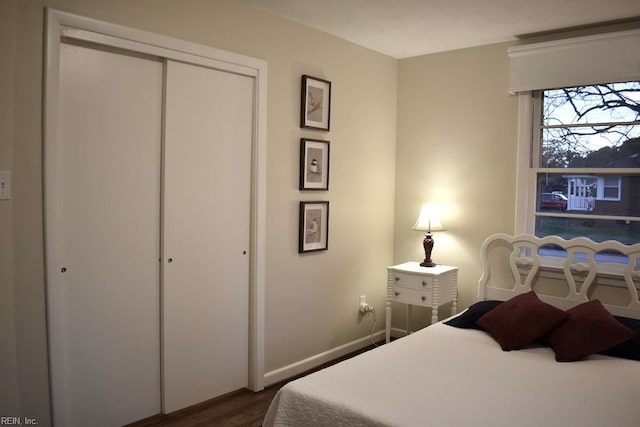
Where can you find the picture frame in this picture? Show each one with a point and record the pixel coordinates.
(313, 227)
(314, 164)
(315, 103)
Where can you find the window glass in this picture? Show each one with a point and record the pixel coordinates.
(587, 162)
(597, 147)
(606, 103)
(591, 127)
(598, 230)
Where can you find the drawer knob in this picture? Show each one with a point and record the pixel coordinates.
(424, 283)
(424, 298)
(397, 278)
(396, 293)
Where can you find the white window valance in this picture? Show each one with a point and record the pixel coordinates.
(603, 58)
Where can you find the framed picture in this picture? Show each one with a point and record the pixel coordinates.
(315, 108)
(314, 227)
(314, 164)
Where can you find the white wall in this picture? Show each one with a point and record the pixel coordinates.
(311, 300)
(457, 140)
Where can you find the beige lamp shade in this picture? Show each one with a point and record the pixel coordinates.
(429, 219)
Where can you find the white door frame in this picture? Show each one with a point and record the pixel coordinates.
(62, 24)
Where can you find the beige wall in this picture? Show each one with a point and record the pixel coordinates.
(311, 300)
(8, 357)
(456, 146)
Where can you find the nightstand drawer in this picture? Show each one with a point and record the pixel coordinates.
(411, 296)
(412, 281)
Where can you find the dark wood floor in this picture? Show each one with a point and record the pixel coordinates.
(241, 408)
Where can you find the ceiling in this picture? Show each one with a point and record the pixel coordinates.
(406, 28)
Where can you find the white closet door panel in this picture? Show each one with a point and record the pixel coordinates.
(208, 138)
(104, 321)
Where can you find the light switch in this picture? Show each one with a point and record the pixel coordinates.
(5, 185)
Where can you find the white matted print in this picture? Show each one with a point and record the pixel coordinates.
(315, 108)
(314, 227)
(314, 164)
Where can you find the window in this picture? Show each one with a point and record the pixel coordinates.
(610, 188)
(584, 167)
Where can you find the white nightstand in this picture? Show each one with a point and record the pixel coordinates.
(411, 284)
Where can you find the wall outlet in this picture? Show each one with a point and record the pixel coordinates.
(363, 307)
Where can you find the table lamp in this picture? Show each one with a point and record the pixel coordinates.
(428, 220)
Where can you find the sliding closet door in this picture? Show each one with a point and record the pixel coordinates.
(208, 137)
(103, 238)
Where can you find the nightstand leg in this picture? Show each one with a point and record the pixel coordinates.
(409, 307)
(388, 321)
(454, 303)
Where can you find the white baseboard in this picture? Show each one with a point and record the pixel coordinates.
(297, 368)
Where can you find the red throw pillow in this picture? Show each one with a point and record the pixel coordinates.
(521, 320)
(589, 329)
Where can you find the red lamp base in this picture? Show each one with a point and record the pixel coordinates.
(427, 244)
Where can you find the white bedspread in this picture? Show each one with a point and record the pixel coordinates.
(444, 376)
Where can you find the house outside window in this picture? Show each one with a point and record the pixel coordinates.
(584, 167)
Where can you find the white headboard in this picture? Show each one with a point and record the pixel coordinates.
(581, 258)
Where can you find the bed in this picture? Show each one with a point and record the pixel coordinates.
(459, 373)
